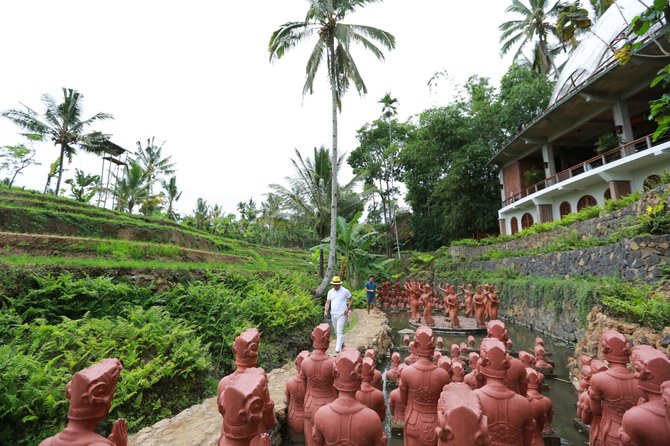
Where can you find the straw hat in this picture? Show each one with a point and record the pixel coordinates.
(336, 280)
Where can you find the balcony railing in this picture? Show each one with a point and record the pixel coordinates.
(602, 159)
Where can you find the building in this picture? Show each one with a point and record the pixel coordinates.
(593, 142)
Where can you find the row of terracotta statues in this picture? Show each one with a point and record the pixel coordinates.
(621, 406)
(481, 303)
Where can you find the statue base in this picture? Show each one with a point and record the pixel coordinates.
(442, 325)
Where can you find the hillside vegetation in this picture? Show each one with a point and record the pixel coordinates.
(79, 284)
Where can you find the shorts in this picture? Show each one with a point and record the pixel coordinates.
(370, 300)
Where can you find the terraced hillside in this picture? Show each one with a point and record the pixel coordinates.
(37, 229)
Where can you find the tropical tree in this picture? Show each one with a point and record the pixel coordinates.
(334, 38)
(83, 186)
(131, 189)
(14, 159)
(309, 194)
(535, 29)
(63, 124)
(152, 161)
(173, 194)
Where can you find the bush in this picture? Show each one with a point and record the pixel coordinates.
(166, 369)
(636, 302)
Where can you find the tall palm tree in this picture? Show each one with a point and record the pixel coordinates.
(61, 123)
(309, 194)
(150, 158)
(534, 29)
(389, 110)
(324, 20)
(173, 194)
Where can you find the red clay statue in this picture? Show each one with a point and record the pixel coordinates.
(460, 419)
(295, 402)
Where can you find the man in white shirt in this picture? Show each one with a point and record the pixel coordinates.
(339, 301)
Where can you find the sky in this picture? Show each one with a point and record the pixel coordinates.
(197, 75)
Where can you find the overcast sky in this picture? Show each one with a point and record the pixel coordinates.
(196, 75)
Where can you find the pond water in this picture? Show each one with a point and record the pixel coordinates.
(561, 391)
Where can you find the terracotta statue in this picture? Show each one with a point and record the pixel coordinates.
(456, 353)
(439, 343)
(369, 395)
(421, 384)
(451, 301)
(479, 305)
(510, 417)
(613, 391)
(487, 302)
(543, 410)
(436, 356)
(413, 295)
(493, 302)
(412, 357)
(377, 380)
(646, 424)
(393, 373)
(246, 410)
(541, 363)
(665, 397)
(471, 378)
(396, 406)
(317, 378)
(460, 418)
(445, 363)
(427, 300)
(295, 402)
(471, 342)
(469, 294)
(457, 372)
(527, 359)
(584, 401)
(515, 378)
(345, 421)
(90, 392)
(245, 349)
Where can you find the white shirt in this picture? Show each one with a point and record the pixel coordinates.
(338, 300)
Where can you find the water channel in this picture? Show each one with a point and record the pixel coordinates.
(560, 390)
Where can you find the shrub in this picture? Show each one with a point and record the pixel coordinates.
(636, 302)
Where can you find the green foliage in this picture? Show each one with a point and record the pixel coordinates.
(656, 219)
(165, 370)
(82, 186)
(14, 159)
(607, 141)
(636, 302)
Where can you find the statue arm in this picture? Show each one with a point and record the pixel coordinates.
(392, 406)
(594, 399)
(119, 435)
(404, 393)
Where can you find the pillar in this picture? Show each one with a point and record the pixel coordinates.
(622, 118)
(619, 188)
(548, 158)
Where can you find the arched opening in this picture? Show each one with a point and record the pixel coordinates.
(526, 221)
(586, 202)
(607, 195)
(651, 182)
(513, 226)
(565, 209)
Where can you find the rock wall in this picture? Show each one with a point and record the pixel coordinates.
(631, 259)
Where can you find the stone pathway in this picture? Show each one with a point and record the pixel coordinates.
(200, 425)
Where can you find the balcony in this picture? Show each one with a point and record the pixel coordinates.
(611, 156)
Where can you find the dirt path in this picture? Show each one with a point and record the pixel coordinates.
(200, 425)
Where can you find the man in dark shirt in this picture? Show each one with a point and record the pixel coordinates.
(371, 292)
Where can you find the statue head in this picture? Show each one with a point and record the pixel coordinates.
(539, 341)
(367, 370)
(652, 368)
(91, 390)
(347, 371)
(463, 348)
(424, 342)
(244, 402)
(371, 353)
(405, 340)
(439, 343)
(460, 418)
(445, 363)
(597, 366)
(493, 360)
(299, 359)
(245, 348)
(436, 356)
(539, 353)
(535, 378)
(473, 358)
(527, 359)
(471, 341)
(496, 329)
(585, 360)
(321, 337)
(395, 359)
(455, 351)
(615, 347)
(457, 372)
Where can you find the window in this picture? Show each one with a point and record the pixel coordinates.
(585, 202)
(513, 226)
(526, 221)
(608, 194)
(565, 209)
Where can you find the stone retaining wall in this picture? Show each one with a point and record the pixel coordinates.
(630, 259)
(602, 227)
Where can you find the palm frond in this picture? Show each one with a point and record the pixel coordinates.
(384, 38)
(312, 67)
(288, 36)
